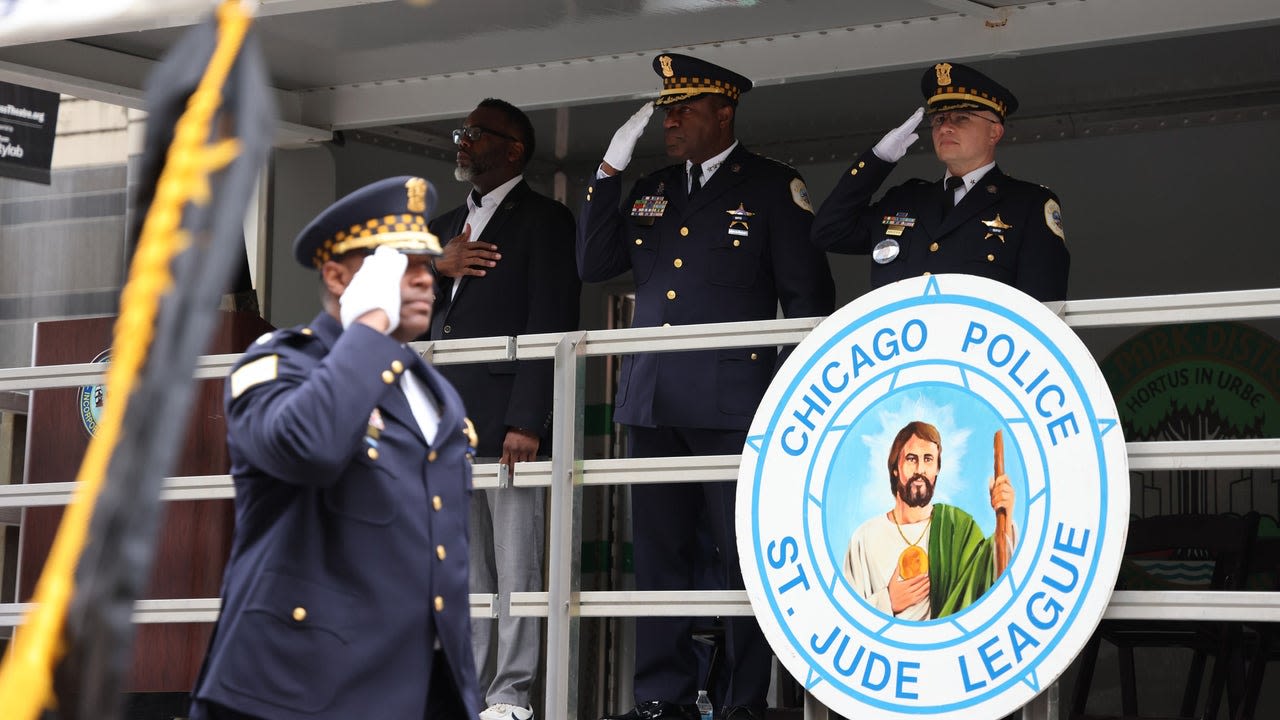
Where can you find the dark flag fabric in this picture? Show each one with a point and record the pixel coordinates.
(209, 130)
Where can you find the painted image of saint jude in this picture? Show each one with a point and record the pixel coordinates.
(923, 560)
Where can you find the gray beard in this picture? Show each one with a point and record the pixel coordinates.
(463, 174)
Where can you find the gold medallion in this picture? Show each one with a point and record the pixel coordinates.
(665, 62)
(912, 562)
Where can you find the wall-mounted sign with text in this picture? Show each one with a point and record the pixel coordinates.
(28, 124)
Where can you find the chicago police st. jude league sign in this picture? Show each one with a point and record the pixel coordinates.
(932, 502)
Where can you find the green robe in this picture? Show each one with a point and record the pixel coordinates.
(961, 566)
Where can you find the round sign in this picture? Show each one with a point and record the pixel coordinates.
(92, 397)
(932, 502)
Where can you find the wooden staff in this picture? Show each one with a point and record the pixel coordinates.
(1001, 538)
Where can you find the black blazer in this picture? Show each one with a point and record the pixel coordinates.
(533, 289)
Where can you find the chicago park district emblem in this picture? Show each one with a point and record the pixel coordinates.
(932, 502)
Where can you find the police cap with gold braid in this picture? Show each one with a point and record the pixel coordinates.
(390, 212)
(685, 78)
(952, 86)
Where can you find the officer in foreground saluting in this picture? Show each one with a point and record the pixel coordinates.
(345, 595)
(721, 236)
(976, 220)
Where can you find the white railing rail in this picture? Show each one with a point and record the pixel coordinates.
(567, 473)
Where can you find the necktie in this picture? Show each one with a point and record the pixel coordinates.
(695, 179)
(476, 199)
(952, 185)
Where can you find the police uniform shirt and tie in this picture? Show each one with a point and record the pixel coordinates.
(718, 241)
(346, 593)
(986, 223)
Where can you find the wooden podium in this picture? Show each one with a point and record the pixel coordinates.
(195, 536)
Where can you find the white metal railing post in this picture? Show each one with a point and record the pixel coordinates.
(1044, 706)
(564, 554)
(813, 709)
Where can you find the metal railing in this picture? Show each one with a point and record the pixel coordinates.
(563, 604)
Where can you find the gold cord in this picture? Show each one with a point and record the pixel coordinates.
(894, 516)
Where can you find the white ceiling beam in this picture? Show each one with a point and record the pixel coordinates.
(969, 7)
(1035, 28)
(131, 95)
(35, 21)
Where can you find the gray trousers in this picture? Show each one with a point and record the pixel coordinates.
(507, 548)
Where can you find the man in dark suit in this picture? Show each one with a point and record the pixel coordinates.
(976, 220)
(719, 237)
(346, 591)
(508, 270)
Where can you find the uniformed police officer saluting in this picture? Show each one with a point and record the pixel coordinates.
(976, 220)
(722, 236)
(345, 595)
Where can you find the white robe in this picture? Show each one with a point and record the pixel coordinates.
(872, 560)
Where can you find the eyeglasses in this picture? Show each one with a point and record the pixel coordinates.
(958, 118)
(473, 133)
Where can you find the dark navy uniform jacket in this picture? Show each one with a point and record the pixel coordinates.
(349, 561)
(1004, 229)
(731, 254)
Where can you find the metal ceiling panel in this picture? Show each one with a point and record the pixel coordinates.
(791, 57)
(344, 64)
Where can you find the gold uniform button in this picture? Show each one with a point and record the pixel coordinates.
(397, 366)
(933, 247)
(373, 453)
(927, 273)
(436, 503)
(591, 189)
(853, 171)
(306, 331)
(431, 456)
(639, 241)
(439, 603)
(736, 243)
(299, 614)
(861, 164)
(755, 356)
(671, 294)
(388, 377)
(684, 232)
(678, 263)
(440, 553)
(991, 258)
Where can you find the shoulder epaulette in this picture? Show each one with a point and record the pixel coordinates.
(786, 166)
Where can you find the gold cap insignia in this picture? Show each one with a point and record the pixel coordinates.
(417, 188)
(944, 73)
(665, 61)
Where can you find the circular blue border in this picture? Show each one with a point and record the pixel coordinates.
(925, 300)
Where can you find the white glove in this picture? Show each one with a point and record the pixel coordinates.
(375, 286)
(618, 156)
(895, 143)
